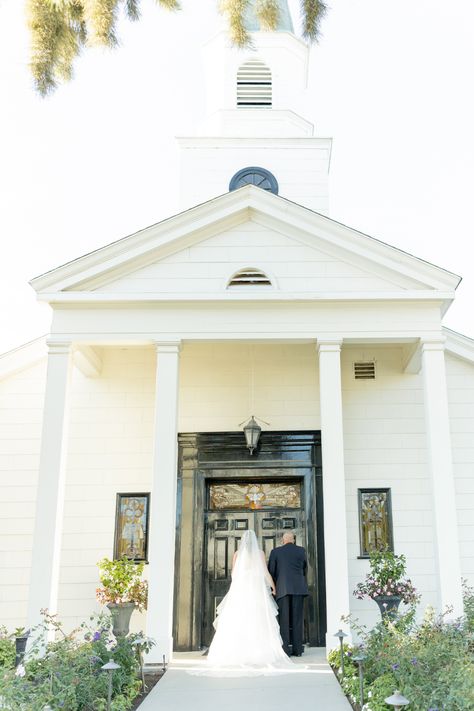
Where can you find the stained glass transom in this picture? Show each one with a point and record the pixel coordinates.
(375, 520)
(254, 495)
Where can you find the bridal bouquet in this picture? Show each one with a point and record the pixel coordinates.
(386, 578)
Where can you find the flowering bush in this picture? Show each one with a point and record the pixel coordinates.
(386, 578)
(121, 581)
(431, 663)
(66, 674)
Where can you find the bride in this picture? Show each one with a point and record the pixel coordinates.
(247, 634)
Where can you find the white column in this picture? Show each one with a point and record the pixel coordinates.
(438, 437)
(51, 484)
(334, 493)
(163, 503)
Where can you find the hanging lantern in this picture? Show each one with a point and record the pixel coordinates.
(252, 434)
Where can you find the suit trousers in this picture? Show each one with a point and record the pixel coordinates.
(290, 617)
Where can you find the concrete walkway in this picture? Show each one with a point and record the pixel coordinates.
(311, 686)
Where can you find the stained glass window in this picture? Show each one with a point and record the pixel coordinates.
(131, 526)
(375, 520)
(255, 495)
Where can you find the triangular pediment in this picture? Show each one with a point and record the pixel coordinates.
(194, 254)
(290, 265)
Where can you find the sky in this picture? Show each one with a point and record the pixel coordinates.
(391, 82)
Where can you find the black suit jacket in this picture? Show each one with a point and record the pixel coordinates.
(287, 566)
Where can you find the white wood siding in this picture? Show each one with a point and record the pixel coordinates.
(461, 408)
(21, 408)
(207, 266)
(110, 451)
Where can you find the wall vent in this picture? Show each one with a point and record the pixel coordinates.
(249, 277)
(364, 370)
(254, 85)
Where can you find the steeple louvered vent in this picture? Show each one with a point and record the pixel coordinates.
(249, 277)
(254, 85)
(364, 370)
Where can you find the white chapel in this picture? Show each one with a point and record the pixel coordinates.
(122, 431)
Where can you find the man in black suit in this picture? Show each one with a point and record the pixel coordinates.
(287, 566)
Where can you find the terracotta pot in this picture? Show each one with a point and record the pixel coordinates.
(388, 604)
(121, 614)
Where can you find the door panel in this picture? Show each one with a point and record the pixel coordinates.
(222, 540)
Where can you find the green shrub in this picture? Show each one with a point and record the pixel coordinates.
(7, 650)
(66, 674)
(431, 663)
(468, 594)
(378, 691)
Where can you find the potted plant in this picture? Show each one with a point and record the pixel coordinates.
(386, 583)
(122, 591)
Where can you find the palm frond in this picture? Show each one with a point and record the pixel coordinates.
(57, 35)
(132, 8)
(101, 18)
(234, 11)
(170, 4)
(312, 12)
(268, 12)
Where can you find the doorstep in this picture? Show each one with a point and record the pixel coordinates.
(312, 685)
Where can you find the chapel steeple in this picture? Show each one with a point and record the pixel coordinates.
(256, 117)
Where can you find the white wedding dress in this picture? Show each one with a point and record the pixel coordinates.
(247, 639)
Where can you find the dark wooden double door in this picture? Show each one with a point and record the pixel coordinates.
(223, 531)
(278, 487)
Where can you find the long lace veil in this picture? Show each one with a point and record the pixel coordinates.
(249, 564)
(247, 636)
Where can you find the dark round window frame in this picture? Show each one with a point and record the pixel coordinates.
(254, 170)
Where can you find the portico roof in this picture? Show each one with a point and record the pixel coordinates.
(84, 279)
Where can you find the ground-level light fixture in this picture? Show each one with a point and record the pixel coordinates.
(397, 701)
(252, 432)
(340, 635)
(137, 643)
(360, 658)
(110, 667)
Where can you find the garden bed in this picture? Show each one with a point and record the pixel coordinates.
(431, 662)
(151, 680)
(68, 674)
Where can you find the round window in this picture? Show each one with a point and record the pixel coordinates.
(259, 177)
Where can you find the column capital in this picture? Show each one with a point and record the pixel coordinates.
(56, 347)
(167, 346)
(329, 345)
(433, 344)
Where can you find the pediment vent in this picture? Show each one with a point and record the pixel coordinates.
(364, 370)
(249, 277)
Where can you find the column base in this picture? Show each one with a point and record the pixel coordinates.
(163, 647)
